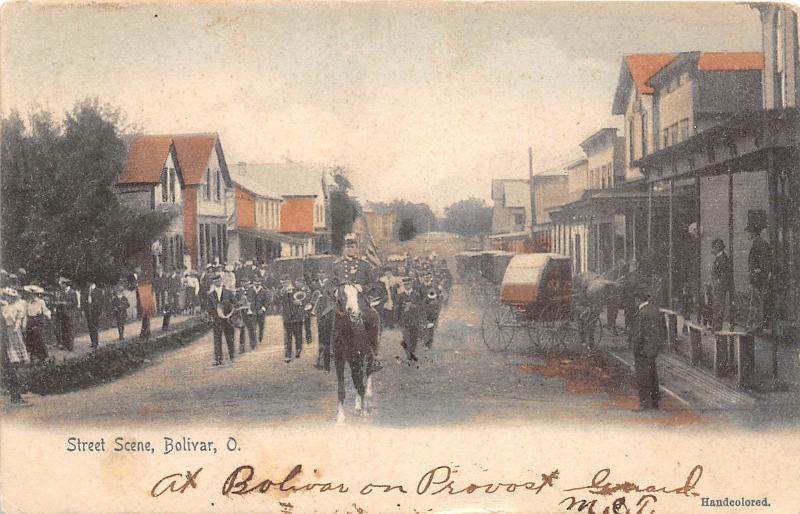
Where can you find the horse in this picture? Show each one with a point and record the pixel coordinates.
(356, 330)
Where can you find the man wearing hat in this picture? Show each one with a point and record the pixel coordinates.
(36, 316)
(259, 303)
(292, 313)
(92, 302)
(721, 283)
(761, 267)
(219, 305)
(66, 304)
(649, 335)
(119, 310)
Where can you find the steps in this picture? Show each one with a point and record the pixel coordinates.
(693, 386)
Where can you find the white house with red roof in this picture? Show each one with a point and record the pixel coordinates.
(188, 173)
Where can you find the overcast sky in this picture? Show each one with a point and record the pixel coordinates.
(426, 102)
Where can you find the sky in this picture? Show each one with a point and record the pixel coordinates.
(423, 101)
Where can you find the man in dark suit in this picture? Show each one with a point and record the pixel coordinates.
(220, 297)
(649, 336)
(259, 303)
(721, 283)
(66, 302)
(92, 303)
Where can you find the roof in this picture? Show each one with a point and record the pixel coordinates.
(194, 150)
(242, 184)
(591, 140)
(643, 66)
(283, 179)
(731, 61)
(517, 194)
(146, 156)
(145, 162)
(636, 71)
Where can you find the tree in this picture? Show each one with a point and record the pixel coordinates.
(60, 215)
(422, 217)
(344, 208)
(407, 230)
(468, 217)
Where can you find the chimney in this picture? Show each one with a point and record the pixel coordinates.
(242, 168)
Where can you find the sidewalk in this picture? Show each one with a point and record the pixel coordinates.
(83, 344)
(697, 386)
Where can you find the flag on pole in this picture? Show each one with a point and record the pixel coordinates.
(370, 250)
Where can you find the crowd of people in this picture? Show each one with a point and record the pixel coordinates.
(407, 293)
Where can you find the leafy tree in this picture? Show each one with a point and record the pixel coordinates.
(407, 230)
(60, 215)
(420, 214)
(468, 217)
(344, 208)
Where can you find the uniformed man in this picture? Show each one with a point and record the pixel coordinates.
(222, 298)
(292, 313)
(324, 298)
(259, 303)
(354, 269)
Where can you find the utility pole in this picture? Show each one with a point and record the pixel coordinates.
(530, 188)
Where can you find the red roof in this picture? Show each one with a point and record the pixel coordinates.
(146, 157)
(193, 152)
(644, 66)
(731, 61)
(147, 154)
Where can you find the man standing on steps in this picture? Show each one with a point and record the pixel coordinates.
(648, 338)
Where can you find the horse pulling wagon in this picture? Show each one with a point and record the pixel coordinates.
(537, 297)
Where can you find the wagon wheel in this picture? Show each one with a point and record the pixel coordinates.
(550, 327)
(534, 326)
(594, 329)
(497, 327)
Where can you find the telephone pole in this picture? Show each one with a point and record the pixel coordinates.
(530, 188)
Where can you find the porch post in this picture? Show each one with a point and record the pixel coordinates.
(633, 232)
(670, 239)
(649, 217)
(777, 252)
(732, 317)
(699, 285)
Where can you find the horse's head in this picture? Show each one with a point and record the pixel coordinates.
(348, 300)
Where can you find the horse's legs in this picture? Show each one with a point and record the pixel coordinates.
(356, 370)
(339, 362)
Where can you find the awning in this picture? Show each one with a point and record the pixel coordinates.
(276, 237)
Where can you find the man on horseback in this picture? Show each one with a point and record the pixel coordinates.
(356, 270)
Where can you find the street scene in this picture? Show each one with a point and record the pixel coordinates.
(455, 239)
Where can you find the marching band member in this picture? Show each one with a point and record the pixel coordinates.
(293, 312)
(323, 309)
(219, 305)
(259, 303)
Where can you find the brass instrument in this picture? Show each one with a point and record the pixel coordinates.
(315, 296)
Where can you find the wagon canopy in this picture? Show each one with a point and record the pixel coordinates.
(314, 263)
(536, 277)
(287, 267)
(493, 265)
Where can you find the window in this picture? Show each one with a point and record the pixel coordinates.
(644, 134)
(666, 137)
(710, 153)
(164, 192)
(631, 145)
(172, 177)
(673, 133)
(519, 220)
(207, 188)
(218, 189)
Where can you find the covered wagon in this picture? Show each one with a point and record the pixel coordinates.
(536, 297)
